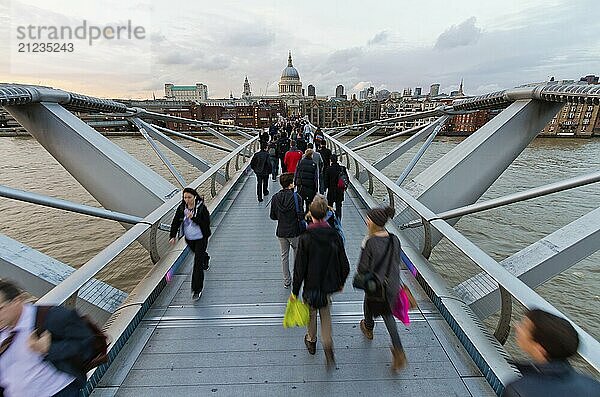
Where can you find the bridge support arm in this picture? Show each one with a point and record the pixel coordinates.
(536, 263)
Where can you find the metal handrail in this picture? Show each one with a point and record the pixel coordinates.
(589, 348)
(71, 285)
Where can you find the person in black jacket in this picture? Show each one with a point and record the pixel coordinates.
(261, 165)
(192, 221)
(264, 137)
(44, 364)
(335, 195)
(283, 210)
(549, 340)
(283, 145)
(322, 266)
(306, 178)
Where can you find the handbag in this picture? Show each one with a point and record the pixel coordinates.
(302, 225)
(400, 309)
(369, 282)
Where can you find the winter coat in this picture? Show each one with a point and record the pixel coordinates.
(554, 378)
(264, 138)
(326, 155)
(306, 177)
(283, 210)
(318, 161)
(321, 262)
(330, 181)
(283, 145)
(376, 254)
(291, 159)
(260, 163)
(201, 217)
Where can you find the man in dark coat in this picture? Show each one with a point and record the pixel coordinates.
(306, 178)
(284, 211)
(549, 340)
(325, 153)
(264, 138)
(331, 176)
(322, 266)
(44, 364)
(261, 165)
(283, 145)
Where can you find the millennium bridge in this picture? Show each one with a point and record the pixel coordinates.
(232, 342)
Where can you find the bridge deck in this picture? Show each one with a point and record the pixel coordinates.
(231, 342)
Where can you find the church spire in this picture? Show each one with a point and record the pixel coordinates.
(290, 59)
(460, 89)
(246, 93)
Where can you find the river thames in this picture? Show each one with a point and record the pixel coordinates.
(501, 232)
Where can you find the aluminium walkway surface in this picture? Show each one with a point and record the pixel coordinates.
(231, 342)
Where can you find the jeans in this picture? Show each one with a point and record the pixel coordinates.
(274, 167)
(198, 247)
(262, 185)
(338, 209)
(390, 324)
(321, 187)
(325, 315)
(283, 167)
(285, 243)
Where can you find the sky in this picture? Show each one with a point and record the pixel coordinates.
(491, 45)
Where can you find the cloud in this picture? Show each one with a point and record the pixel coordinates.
(379, 38)
(213, 62)
(463, 34)
(249, 35)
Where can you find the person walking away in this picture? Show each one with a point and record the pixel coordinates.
(300, 142)
(273, 130)
(307, 132)
(316, 157)
(335, 194)
(192, 221)
(274, 158)
(322, 266)
(283, 146)
(306, 178)
(292, 157)
(283, 210)
(325, 153)
(44, 364)
(319, 138)
(264, 138)
(380, 254)
(261, 165)
(549, 340)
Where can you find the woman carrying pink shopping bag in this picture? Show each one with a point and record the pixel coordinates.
(378, 274)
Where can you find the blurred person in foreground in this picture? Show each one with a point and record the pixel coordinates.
(549, 340)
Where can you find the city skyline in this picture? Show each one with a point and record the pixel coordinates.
(491, 46)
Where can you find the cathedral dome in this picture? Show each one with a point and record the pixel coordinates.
(290, 71)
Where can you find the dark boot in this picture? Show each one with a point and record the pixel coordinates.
(310, 346)
(329, 357)
(398, 359)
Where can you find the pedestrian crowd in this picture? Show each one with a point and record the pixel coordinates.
(47, 350)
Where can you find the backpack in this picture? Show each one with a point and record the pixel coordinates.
(334, 222)
(343, 181)
(99, 344)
